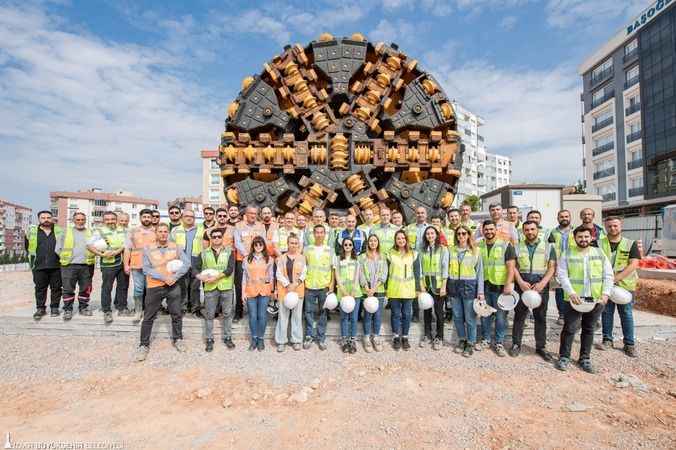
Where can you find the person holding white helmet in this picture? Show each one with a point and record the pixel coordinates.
(434, 269)
(466, 282)
(291, 272)
(162, 284)
(318, 282)
(346, 273)
(585, 275)
(257, 288)
(218, 287)
(499, 261)
(536, 265)
(624, 255)
(373, 276)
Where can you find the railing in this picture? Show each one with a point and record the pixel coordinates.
(602, 124)
(603, 99)
(609, 197)
(635, 192)
(632, 54)
(635, 164)
(604, 173)
(632, 109)
(596, 79)
(635, 136)
(629, 83)
(603, 148)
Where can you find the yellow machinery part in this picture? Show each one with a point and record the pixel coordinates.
(362, 154)
(339, 153)
(232, 109)
(446, 200)
(318, 154)
(230, 153)
(355, 183)
(320, 121)
(232, 195)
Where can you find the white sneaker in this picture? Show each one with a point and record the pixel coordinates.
(179, 345)
(142, 353)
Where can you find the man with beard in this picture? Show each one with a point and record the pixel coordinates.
(44, 262)
(245, 231)
(155, 219)
(562, 239)
(587, 217)
(138, 239)
(466, 217)
(175, 216)
(504, 229)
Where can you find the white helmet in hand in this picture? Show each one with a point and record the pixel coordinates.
(531, 298)
(331, 302)
(174, 265)
(425, 301)
(291, 300)
(371, 304)
(347, 304)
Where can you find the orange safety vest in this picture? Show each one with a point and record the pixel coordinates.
(141, 238)
(298, 267)
(159, 261)
(248, 232)
(270, 239)
(257, 282)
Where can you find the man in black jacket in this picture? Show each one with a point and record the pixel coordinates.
(40, 241)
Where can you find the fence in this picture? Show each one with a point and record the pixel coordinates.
(645, 228)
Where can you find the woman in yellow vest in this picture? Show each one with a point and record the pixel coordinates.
(257, 277)
(346, 271)
(466, 283)
(403, 285)
(372, 278)
(291, 272)
(434, 269)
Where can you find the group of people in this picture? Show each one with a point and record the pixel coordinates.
(246, 260)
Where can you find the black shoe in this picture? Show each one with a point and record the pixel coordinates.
(544, 354)
(260, 345)
(396, 344)
(252, 346)
(39, 313)
(586, 365)
(562, 364)
(405, 344)
(468, 350)
(630, 351)
(55, 312)
(86, 311)
(228, 343)
(210, 345)
(68, 314)
(515, 350)
(353, 346)
(345, 347)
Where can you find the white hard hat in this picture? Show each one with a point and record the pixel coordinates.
(584, 307)
(174, 265)
(291, 299)
(425, 301)
(209, 273)
(331, 301)
(531, 298)
(482, 309)
(620, 295)
(100, 244)
(347, 304)
(371, 304)
(507, 302)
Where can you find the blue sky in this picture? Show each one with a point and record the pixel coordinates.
(124, 94)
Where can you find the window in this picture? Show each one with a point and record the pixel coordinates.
(214, 164)
(601, 95)
(215, 180)
(605, 115)
(634, 128)
(630, 47)
(632, 73)
(601, 70)
(603, 165)
(636, 182)
(635, 100)
(100, 203)
(599, 142)
(635, 154)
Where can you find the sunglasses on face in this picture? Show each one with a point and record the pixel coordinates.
(208, 214)
(217, 236)
(222, 216)
(347, 245)
(173, 213)
(462, 233)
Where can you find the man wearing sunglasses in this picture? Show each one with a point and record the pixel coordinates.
(174, 217)
(155, 219)
(209, 217)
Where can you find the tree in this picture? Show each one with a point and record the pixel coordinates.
(473, 201)
(579, 187)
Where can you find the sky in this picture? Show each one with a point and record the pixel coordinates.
(124, 94)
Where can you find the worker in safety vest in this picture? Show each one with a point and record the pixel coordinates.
(111, 267)
(162, 282)
(453, 216)
(334, 226)
(385, 231)
(285, 230)
(318, 282)
(123, 221)
(369, 222)
(587, 216)
(514, 217)
(466, 217)
(291, 274)
(218, 287)
(245, 231)
(175, 216)
(505, 230)
(40, 243)
(209, 218)
(319, 218)
(138, 239)
(188, 237)
(434, 270)
(301, 227)
(498, 259)
(271, 227)
(398, 220)
(257, 289)
(624, 256)
(562, 239)
(414, 235)
(77, 266)
(536, 265)
(586, 276)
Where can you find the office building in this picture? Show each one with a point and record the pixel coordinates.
(14, 222)
(212, 181)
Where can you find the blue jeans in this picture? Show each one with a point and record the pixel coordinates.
(372, 321)
(139, 282)
(258, 316)
(313, 304)
(560, 304)
(402, 310)
(626, 313)
(492, 295)
(348, 321)
(464, 317)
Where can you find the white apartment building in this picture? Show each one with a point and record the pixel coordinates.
(213, 193)
(498, 171)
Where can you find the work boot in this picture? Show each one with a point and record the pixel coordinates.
(281, 348)
(468, 350)
(460, 347)
(39, 313)
(307, 343)
(252, 345)
(55, 312)
(606, 344)
(86, 311)
(138, 309)
(344, 347)
(260, 345)
(544, 354)
(485, 344)
(436, 344)
(67, 314)
(405, 344)
(423, 342)
(321, 345)
(210, 345)
(630, 351)
(377, 343)
(228, 343)
(108, 317)
(562, 364)
(296, 347)
(396, 343)
(367, 344)
(353, 346)
(515, 350)
(500, 350)
(586, 365)
(142, 353)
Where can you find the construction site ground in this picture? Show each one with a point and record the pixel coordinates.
(76, 383)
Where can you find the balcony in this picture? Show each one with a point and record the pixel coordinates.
(603, 148)
(635, 164)
(609, 197)
(630, 56)
(635, 136)
(604, 173)
(601, 76)
(602, 100)
(602, 124)
(635, 192)
(629, 83)
(632, 109)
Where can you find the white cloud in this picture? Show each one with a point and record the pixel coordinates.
(398, 31)
(77, 111)
(567, 13)
(508, 23)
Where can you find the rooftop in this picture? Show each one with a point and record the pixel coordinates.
(523, 187)
(89, 195)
